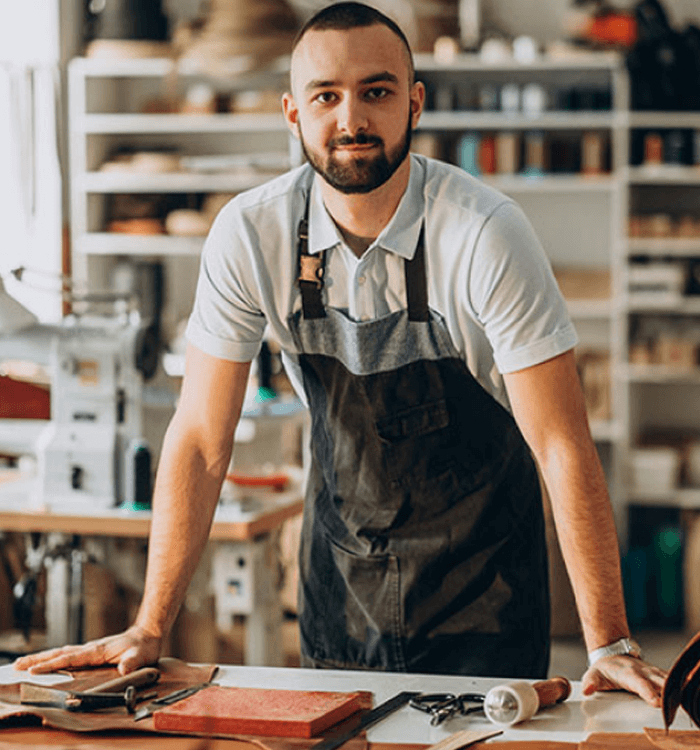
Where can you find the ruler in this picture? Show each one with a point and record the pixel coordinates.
(371, 717)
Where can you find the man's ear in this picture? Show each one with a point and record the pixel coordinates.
(291, 113)
(417, 102)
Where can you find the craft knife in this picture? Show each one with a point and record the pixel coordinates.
(145, 711)
(371, 717)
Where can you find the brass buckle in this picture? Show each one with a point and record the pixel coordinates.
(311, 269)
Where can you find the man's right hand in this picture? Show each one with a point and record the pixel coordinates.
(130, 650)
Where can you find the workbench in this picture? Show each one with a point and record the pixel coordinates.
(572, 721)
(243, 575)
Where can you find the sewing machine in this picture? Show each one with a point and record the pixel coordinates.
(90, 455)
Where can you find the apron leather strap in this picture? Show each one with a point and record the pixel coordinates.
(311, 269)
(416, 282)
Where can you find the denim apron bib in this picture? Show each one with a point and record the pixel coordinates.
(423, 546)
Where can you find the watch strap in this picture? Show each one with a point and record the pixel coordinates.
(620, 647)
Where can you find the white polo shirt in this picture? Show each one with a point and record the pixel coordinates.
(488, 276)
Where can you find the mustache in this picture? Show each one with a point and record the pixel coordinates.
(361, 139)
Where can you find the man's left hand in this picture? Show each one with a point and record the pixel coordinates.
(626, 673)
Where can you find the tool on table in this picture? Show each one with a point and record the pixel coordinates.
(369, 719)
(34, 695)
(145, 711)
(105, 695)
(443, 706)
(519, 701)
(138, 679)
(465, 738)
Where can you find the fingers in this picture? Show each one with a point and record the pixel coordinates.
(626, 673)
(55, 659)
(131, 660)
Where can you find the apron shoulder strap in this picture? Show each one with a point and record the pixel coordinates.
(416, 282)
(310, 277)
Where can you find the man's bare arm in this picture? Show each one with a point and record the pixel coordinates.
(549, 408)
(194, 458)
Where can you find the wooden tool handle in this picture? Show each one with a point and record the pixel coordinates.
(553, 690)
(139, 678)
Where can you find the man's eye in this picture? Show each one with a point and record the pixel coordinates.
(377, 92)
(325, 97)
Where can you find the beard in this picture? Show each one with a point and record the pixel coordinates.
(363, 174)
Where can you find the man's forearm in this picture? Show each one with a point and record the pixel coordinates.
(588, 540)
(186, 493)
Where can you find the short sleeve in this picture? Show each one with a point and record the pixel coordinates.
(514, 294)
(226, 319)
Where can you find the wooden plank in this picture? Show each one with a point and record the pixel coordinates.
(118, 524)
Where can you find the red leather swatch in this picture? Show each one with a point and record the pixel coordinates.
(258, 711)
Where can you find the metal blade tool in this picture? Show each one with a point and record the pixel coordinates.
(167, 700)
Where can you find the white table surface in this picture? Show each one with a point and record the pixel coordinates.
(571, 721)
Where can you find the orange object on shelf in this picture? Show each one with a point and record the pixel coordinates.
(136, 226)
(613, 28)
(276, 482)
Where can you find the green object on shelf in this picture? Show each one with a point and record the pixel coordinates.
(265, 394)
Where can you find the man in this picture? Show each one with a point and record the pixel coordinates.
(420, 319)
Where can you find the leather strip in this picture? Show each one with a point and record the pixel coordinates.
(310, 273)
(417, 283)
(682, 686)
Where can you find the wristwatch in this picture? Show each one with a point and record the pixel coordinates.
(621, 647)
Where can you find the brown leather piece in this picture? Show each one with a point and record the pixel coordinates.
(175, 674)
(617, 741)
(682, 686)
(677, 740)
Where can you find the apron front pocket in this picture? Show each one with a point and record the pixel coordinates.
(417, 441)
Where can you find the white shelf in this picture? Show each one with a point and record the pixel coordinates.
(579, 120)
(175, 123)
(157, 67)
(660, 374)
(663, 174)
(606, 431)
(545, 63)
(169, 182)
(665, 246)
(671, 120)
(686, 306)
(554, 183)
(592, 309)
(684, 498)
(115, 243)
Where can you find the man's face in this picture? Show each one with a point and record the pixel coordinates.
(352, 105)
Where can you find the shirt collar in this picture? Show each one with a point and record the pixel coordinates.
(399, 236)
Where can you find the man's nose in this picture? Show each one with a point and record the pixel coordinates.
(352, 116)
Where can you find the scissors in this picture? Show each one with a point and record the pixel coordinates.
(443, 706)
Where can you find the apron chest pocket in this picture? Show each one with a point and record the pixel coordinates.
(416, 441)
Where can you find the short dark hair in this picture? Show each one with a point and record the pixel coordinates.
(352, 15)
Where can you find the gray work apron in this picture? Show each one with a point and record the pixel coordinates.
(423, 546)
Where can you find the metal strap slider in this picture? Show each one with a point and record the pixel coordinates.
(311, 269)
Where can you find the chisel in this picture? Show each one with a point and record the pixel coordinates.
(372, 717)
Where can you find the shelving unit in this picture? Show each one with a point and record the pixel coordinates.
(581, 219)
